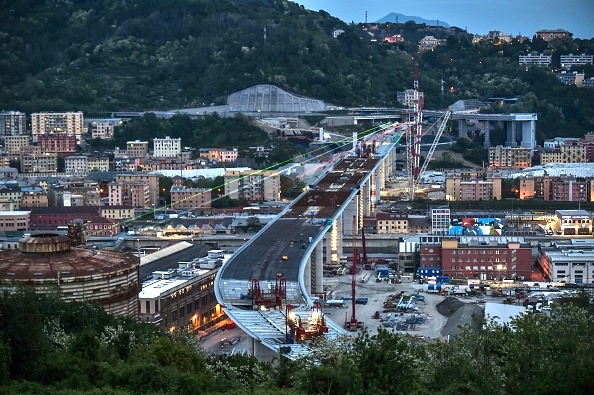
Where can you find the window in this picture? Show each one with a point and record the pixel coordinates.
(148, 306)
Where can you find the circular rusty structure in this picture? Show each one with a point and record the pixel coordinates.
(44, 243)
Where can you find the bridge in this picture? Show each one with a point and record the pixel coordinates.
(288, 253)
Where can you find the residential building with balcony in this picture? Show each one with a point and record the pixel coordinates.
(67, 123)
(252, 185)
(407, 97)
(151, 180)
(569, 152)
(76, 166)
(61, 144)
(571, 60)
(573, 78)
(535, 60)
(510, 157)
(473, 185)
(12, 123)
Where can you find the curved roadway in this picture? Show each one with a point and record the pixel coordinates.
(294, 234)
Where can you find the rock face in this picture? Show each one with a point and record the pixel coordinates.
(459, 315)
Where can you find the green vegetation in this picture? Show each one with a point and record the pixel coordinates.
(117, 55)
(51, 347)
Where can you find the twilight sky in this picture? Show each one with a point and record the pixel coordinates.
(477, 16)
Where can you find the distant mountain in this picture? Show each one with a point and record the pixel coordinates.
(400, 18)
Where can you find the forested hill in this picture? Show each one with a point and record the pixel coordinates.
(100, 56)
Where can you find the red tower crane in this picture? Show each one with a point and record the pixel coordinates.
(353, 324)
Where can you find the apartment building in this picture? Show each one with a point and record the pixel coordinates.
(252, 185)
(118, 213)
(137, 149)
(34, 162)
(61, 144)
(34, 197)
(12, 123)
(407, 97)
(473, 185)
(548, 35)
(68, 123)
(103, 129)
(183, 197)
(573, 78)
(440, 220)
(14, 221)
(535, 60)
(510, 157)
(220, 154)
(166, 147)
(132, 193)
(152, 182)
(12, 195)
(97, 164)
(70, 194)
(571, 60)
(570, 152)
(76, 166)
(13, 144)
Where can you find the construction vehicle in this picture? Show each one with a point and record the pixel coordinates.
(313, 327)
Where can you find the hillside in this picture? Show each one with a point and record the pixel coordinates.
(112, 55)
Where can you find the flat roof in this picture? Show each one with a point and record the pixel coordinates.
(152, 289)
(13, 213)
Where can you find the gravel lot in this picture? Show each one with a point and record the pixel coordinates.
(432, 321)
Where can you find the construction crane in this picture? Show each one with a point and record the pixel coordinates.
(353, 324)
(413, 139)
(413, 136)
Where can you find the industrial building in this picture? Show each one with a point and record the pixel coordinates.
(48, 262)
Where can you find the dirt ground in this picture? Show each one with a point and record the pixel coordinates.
(429, 322)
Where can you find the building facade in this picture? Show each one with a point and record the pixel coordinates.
(548, 35)
(252, 186)
(535, 60)
(13, 144)
(473, 185)
(486, 257)
(166, 147)
(571, 60)
(68, 123)
(181, 299)
(14, 221)
(60, 144)
(13, 123)
(183, 197)
(103, 129)
(137, 149)
(510, 157)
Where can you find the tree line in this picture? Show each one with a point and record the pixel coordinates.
(48, 346)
